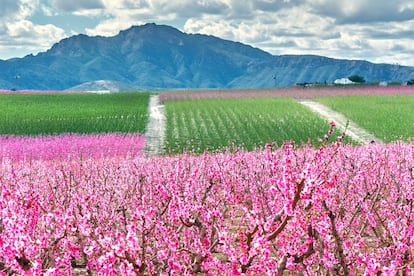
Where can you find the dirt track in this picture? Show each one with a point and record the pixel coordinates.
(155, 133)
(354, 131)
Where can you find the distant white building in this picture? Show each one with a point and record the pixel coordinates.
(343, 81)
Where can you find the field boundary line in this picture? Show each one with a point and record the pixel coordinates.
(353, 130)
(156, 127)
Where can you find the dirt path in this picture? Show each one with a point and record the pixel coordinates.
(155, 133)
(354, 131)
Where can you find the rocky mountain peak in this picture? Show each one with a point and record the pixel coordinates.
(155, 56)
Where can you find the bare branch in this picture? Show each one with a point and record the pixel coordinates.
(296, 199)
(338, 241)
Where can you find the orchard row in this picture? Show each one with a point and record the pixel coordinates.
(337, 209)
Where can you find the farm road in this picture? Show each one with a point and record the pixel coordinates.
(155, 133)
(354, 131)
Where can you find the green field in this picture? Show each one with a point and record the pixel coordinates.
(31, 114)
(389, 118)
(204, 124)
(210, 124)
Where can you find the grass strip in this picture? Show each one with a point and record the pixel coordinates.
(33, 114)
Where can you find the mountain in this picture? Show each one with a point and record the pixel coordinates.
(291, 69)
(161, 57)
(106, 85)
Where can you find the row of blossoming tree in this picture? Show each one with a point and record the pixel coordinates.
(337, 209)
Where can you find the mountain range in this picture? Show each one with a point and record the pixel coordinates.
(153, 57)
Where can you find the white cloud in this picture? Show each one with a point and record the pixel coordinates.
(47, 10)
(264, 29)
(17, 9)
(21, 36)
(363, 11)
(24, 32)
(111, 27)
(301, 29)
(76, 5)
(191, 8)
(120, 15)
(380, 30)
(88, 13)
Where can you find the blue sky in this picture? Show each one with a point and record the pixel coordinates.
(374, 30)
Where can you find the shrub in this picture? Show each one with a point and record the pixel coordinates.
(357, 79)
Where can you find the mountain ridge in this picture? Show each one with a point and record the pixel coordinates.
(161, 57)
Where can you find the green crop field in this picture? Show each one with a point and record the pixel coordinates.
(389, 118)
(211, 124)
(31, 114)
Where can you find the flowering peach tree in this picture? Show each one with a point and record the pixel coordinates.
(338, 209)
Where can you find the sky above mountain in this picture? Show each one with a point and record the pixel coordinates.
(374, 30)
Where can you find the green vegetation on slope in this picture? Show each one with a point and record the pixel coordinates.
(31, 114)
(211, 124)
(389, 118)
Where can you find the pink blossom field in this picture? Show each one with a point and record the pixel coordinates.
(334, 210)
(295, 92)
(38, 92)
(70, 146)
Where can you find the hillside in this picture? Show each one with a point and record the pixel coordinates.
(105, 85)
(291, 69)
(161, 57)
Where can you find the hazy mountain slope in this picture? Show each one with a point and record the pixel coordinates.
(290, 69)
(162, 57)
(105, 85)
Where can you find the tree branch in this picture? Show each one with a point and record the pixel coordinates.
(338, 240)
(296, 199)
